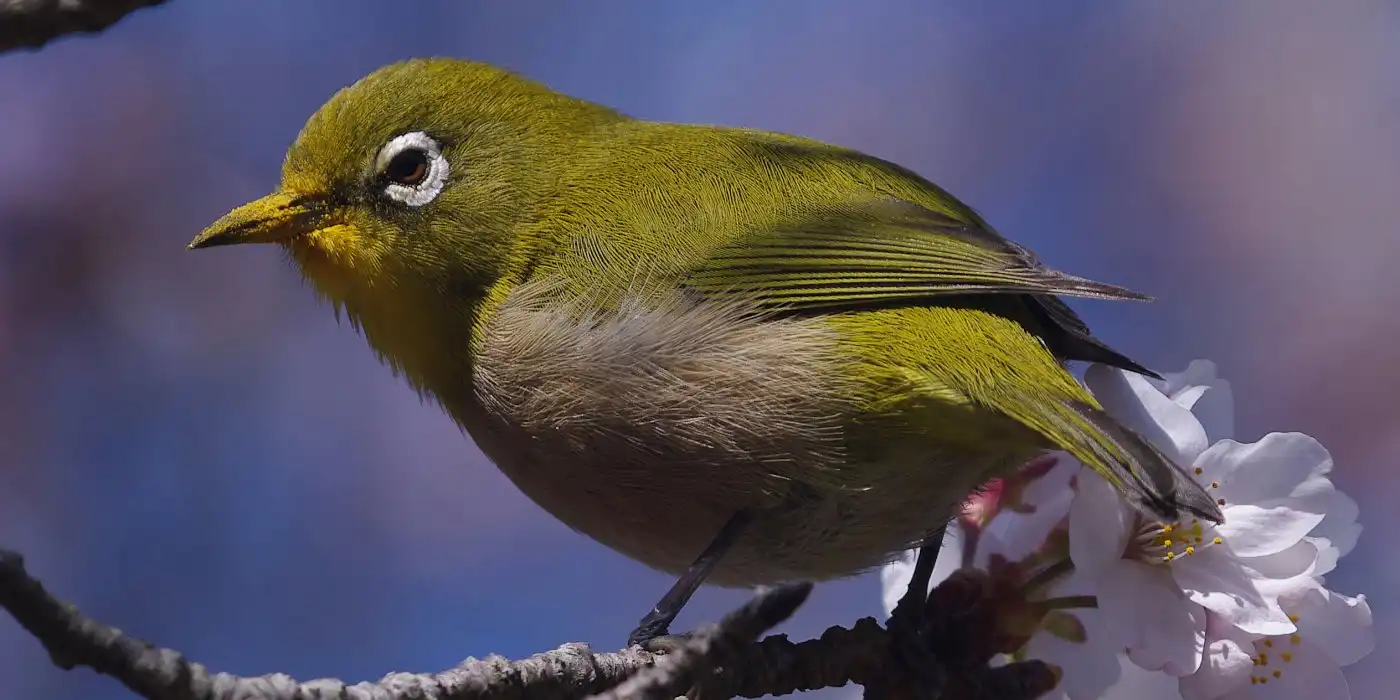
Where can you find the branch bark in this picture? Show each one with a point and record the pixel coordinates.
(33, 23)
(720, 661)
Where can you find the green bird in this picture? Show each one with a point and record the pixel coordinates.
(738, 356)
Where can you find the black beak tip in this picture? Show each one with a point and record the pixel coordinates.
(211, 242)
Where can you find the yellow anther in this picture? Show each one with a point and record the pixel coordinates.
(1287, 656)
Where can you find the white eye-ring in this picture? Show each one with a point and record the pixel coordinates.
(413, 168)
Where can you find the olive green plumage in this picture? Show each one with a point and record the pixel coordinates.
(650, 326)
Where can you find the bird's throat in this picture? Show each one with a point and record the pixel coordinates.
(420, 333)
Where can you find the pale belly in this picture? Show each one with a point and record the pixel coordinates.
(664, 514)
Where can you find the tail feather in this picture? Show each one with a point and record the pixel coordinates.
(1073, 285)
(1149, 479)
(1146, 476)
(1068, 337)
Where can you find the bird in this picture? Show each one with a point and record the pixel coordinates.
(737, 356)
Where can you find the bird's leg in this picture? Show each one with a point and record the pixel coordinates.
(907, 623)
(656, 624)
(911, 605)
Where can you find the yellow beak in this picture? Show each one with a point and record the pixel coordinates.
(276, 218)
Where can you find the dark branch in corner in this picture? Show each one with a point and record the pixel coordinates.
(720, 661)
(33, 23)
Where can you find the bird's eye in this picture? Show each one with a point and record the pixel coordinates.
(411, 168)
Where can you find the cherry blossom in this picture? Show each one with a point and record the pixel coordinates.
(1132, 608)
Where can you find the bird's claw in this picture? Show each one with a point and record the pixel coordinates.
(665, 643)
(653, 634)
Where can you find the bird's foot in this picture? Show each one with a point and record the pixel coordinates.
(653, 634)
(664, 643)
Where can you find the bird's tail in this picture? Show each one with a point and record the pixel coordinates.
(1149, 479)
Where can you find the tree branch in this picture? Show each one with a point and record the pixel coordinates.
(721, 661)
(33, 23)
(676, 671)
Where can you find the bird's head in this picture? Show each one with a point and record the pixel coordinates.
(418, 175)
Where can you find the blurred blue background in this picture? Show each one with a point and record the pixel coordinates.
(191, 448)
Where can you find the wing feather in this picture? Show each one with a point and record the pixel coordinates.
(881, 249)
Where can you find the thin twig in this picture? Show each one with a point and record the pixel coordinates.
(33, 23)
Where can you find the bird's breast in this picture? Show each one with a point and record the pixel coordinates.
(647, 424)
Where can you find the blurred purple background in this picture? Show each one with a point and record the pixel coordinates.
(191, 448)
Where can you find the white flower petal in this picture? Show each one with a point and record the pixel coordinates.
(1327, 556)
(1145, 612)
(1019, 534)
(1091, 667)
(1054, 484)
(1226, 665)
(1100, 522)
(1135, 683)
(1309, 675)
(1198, 373)
(1283, 583)
(1199, 389)
(1275, 590)
(1275, 490)
(1088, 670)
(1134, 402)
(1339, 528)
(1214, 579)
(1340, 625)
(1299, 560)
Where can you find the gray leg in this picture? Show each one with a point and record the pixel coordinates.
(657, 623)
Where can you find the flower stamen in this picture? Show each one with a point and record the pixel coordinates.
(1163, 543)
(1262, 660)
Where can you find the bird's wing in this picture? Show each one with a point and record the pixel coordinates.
(883, 250)
(880, 249)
